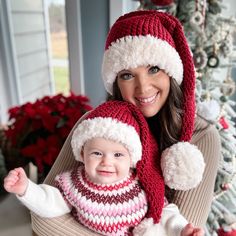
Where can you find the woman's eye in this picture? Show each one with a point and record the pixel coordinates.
(154, 69)
(125, 76)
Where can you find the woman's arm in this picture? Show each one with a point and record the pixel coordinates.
(195, 204)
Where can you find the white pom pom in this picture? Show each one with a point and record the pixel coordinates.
(182, 166)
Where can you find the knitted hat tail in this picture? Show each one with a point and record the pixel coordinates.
(149, 169)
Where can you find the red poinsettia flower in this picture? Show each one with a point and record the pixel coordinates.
(38, 130)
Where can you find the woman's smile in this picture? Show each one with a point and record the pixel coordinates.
(147, 100)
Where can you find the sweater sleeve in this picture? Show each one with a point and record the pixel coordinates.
(44, 200)
(195, 204)
(171, 224)
(172, 220)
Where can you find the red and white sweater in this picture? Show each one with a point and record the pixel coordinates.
(107, 209)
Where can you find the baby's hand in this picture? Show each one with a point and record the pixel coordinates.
(16, 181)
(189, 230)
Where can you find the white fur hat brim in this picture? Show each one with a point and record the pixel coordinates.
(133, 51)
(182, 166)
(108, 128)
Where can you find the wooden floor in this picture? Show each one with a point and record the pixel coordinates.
(14, 217)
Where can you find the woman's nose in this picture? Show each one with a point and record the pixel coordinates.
(142, 83)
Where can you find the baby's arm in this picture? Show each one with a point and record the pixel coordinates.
(44, 200)
(176, 224)
(16, 181)
(171, 223)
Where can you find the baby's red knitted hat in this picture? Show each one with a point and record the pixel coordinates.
(124, 123)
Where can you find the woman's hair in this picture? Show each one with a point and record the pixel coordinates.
(166, 124)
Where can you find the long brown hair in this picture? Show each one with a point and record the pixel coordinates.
(166, 124)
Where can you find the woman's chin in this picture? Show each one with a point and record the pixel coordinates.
(149, 111)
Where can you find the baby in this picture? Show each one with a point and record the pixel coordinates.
(111, 190)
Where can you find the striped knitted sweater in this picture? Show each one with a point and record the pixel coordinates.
(113, 209)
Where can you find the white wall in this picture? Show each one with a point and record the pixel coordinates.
(25, 73)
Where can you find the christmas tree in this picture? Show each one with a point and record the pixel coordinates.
(210, 36)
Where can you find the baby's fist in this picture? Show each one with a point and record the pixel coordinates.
(16, 181)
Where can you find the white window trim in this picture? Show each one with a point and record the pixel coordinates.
(9, 73)
(75, 50)
(49, 50)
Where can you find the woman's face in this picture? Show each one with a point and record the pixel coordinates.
(146, 87)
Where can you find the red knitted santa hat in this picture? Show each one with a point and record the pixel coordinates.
(155, 38)
(124, 123)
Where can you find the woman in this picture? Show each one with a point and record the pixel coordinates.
(147, 62)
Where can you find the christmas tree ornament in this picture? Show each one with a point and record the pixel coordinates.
(226, 47)
(228, 87)
(200, 58)
(197, 18)
(221, 232)
(223, 123)
(225, 186)
(213, 61)
(223, 98)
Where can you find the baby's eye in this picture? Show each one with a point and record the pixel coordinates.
(125, 76)
(97, 154)
(154, 69)
(118, 154)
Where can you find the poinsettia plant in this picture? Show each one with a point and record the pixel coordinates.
(37, 131)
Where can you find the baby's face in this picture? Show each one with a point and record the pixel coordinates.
(105, 161)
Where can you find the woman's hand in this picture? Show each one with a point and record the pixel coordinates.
(16, 181)
(189, 230)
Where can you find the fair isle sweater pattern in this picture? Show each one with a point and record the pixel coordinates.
(109, 209)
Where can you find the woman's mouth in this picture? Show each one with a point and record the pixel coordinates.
(147, 100)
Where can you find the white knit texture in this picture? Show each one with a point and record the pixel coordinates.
(142, 51)
(111, 129)
(182, 166)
